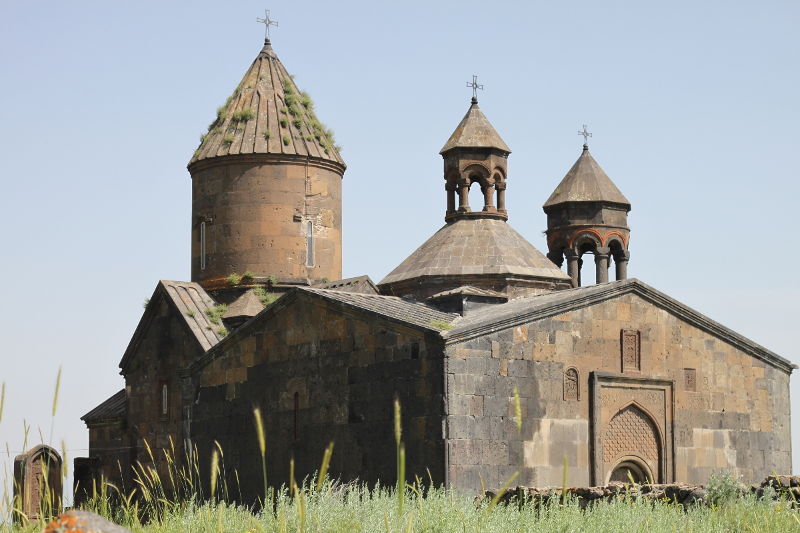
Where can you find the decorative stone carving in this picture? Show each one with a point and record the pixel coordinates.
(571, 385)
(37, 483)
(690, 379)
(630, 341)
(632, 420)
(631, 432)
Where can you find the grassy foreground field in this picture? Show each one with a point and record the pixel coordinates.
(360, 509)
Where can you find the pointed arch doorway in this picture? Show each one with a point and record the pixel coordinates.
(632, 436)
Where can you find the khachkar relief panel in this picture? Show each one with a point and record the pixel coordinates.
(631, 350)
(631, 428)
(37, 483)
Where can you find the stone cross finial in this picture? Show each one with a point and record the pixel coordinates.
(267, 22)
(475, 86)
(586, 135)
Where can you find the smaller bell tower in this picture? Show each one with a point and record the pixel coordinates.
(587, 213)
(475, 155)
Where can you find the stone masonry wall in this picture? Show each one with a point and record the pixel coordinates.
(167, 347)
(731, 410)
(258, 214)
(343, 370)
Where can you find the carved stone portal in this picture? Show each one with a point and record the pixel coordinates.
(631, 429)
(37, 483)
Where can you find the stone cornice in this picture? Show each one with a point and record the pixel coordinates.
(266, 159)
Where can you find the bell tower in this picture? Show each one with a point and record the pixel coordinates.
(476, 254)
(475, 155)
(587, 213)
(266, 187)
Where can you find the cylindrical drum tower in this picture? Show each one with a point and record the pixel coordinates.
(266, 187)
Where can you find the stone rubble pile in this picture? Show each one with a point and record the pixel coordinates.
(774, 487)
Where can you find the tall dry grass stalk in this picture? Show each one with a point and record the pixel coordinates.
(214, 472)
(323, 469)
(401, 456)
(262, 448)
(2, 399)
(56, 391)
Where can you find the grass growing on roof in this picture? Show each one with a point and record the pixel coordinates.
(440, 324)
(265, 296)
(243, 115)
(215, 313)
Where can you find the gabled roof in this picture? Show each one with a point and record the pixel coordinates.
(475, 131)
(468, 290)
(362, 284)
(475, 246)
(524, 310)
(397, 309)
(586, 182)
(410, 312)
(267, 114)
(188, 299)
(113, 407)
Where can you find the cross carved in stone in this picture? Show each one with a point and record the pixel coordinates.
(267, 22)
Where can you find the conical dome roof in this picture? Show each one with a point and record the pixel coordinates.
(586, 182)
(475, 131)
(476, 247)
(267, 114)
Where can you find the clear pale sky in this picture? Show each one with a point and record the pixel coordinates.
(693, 106)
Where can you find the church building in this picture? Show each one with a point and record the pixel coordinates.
(616, 376)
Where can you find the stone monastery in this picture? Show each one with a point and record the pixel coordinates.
(618, 377)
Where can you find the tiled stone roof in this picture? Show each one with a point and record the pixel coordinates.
(475, 131)
(586, 182)
(193, 301)
(246, 305)
(113, 407)
(389, 306)
(362, 284)
(267, 114)
(475, 246)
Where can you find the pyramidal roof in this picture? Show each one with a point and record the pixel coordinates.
(475, 131)
(267, 114)
(586, 182)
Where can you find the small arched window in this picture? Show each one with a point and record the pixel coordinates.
(309, 243)
(164, 404)
(203, 245)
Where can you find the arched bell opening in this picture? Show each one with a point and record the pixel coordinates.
(476, 198)
(586, 276)
(620, 256)
(587, 243)
(499, 180)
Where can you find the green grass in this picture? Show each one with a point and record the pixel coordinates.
(440, 324)
(243, 116)
(234, 279)
(266, 297)
(335, 507)
(215, 313)
(174, 500)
